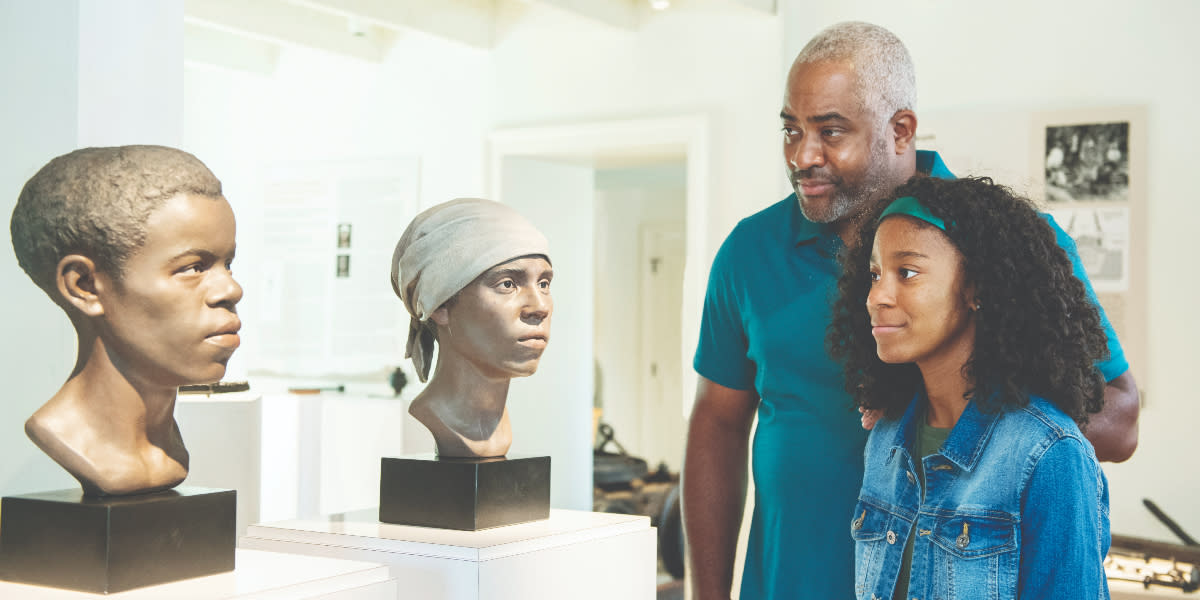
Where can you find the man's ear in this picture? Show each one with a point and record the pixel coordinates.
(76, 278)
(441, 316)
(904, 130)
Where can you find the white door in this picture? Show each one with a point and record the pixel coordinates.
(663, 250)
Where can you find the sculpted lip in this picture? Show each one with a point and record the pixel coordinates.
(536, 340)
(227, 336)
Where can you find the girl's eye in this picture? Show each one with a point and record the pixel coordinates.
(874, 276)
(907, 273)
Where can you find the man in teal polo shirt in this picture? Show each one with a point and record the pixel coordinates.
(848, 129)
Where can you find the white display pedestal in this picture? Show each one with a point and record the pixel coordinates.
(223, 433)
(258, 576)
(573, 554)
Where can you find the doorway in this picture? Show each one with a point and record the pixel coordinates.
(561, 177)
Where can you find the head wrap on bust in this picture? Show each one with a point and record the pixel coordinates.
(445, 248)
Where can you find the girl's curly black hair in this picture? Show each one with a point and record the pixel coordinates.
(1036, 332)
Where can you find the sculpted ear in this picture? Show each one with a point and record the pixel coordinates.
(76, 278)
(441, 316)
(904, 130)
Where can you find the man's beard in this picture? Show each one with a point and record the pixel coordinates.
(847, 201)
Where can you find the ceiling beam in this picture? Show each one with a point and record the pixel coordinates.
(289, 24)
(468, 22)
(207, 46)
(770, 7)
(622, 14)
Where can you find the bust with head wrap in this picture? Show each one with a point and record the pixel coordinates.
(475, 277)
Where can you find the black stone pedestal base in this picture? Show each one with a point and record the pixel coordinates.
(464, 493)
(107, 544)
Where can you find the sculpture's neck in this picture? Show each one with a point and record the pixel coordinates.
(466, 413)
(110, 392)
(116, 434)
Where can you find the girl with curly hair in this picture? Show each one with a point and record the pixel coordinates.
(960, 320)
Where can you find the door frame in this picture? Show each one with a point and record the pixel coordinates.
(589, 142)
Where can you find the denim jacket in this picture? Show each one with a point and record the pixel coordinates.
(1016, 506)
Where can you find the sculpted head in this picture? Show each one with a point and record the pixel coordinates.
(135, 243)
(475, 277)
(95, 202)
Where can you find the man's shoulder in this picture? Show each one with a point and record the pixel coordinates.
(772, 222)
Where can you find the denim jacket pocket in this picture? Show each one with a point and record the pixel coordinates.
(873, 531)
(974, 555)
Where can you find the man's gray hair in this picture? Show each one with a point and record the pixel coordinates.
(886, 82)
(95, 202)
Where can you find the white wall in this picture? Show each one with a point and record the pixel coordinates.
(73, 74)
(1022, 56)
(550, 68)
(429, 99)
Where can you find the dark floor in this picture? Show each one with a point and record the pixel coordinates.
(672, 590)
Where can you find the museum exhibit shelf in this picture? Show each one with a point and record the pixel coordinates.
(258, 576)
(573, 554)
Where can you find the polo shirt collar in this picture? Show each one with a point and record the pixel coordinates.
(803, 230)
(930, 163)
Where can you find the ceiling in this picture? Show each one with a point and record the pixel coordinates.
(246, 35)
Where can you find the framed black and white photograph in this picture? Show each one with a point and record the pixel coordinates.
(343, 235)
(1089, 169)
(343, 266)
(1087, 162)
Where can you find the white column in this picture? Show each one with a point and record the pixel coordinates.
(74, 73)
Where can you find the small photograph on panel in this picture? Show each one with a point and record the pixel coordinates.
(1087, 163)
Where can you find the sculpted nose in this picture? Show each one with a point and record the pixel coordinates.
(225, 291)
(538, 305)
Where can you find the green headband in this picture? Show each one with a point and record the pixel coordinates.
(910, 206)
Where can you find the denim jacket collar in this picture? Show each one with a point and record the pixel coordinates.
(966, 442)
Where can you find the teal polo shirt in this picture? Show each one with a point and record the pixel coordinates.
(766, 311)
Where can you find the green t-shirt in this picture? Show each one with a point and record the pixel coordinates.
(929, 441)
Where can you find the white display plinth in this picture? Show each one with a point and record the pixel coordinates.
(223, 433)
(258, 576)
(573, 554)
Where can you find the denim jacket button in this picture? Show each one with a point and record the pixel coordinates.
(891, 537)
